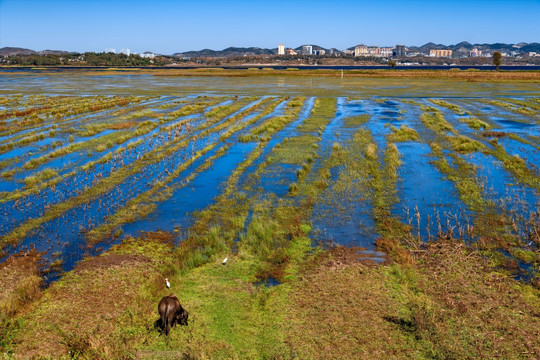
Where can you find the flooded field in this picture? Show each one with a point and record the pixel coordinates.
(87, 161)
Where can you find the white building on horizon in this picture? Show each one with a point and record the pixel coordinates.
(148, 54)
(281, 49)
(363, 50)
(475, 53)
(110, 50)
(307, 50)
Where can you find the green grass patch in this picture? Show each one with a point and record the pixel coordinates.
(404, 133)
(464, 144)
(514, 107)
(434, 120)
(516, 166)
(356, 121)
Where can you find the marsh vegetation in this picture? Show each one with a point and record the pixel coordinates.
(422, 215)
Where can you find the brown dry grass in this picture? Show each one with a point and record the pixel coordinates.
(477, 312)
(20, 282)
(86, 311)
(474, 76)
(338, 310)
(123, 125)
(470, 75)
(449, 305)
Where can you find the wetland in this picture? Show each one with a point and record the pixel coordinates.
(407, 207)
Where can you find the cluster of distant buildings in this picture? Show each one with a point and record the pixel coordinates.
(383, 52)
(448, 53)
(146, 54)
(306, 50)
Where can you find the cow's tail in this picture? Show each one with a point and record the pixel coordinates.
(166, 324)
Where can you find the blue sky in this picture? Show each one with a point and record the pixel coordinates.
(167, 26)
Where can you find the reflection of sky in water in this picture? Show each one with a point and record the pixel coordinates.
(420, 184)
(168, 215)
(501, 187)
(344, 221)
(528, 153)
(68, 82)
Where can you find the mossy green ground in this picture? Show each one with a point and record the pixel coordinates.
(449, 303)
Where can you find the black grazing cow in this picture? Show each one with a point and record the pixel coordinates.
(171, 312)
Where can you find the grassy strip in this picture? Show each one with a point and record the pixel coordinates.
(174, 104)
(470, 120)
(512, 107)
(40, 177)
(516, 137)
(463, 175)
(516, 166)
(264, 131)
(433, 119)
(120, 123)
(192, 109)
(323, 110)
(302, 149)
(24, 141)
(356, 121)
(464, 144)
(404, 133)
(457, 109)
(475, 123)
(533, 104)
(383, 184)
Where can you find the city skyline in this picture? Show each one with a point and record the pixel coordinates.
(168, 27)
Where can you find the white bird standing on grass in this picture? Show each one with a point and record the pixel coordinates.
(167, 283)
(225, 260)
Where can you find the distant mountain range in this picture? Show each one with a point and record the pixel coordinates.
(230, 51)
(462, 47)
(465, 47)
(21, 51)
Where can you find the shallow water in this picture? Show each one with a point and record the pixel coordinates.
(145, 84)
(424, 195)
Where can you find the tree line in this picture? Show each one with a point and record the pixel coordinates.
(88, 59)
